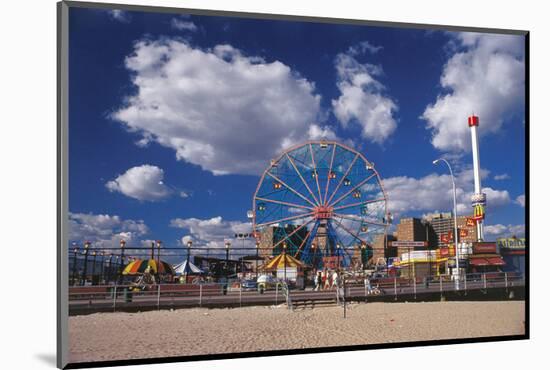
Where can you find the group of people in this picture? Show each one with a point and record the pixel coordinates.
(326, 280)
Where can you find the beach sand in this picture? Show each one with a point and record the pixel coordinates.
(117, 336)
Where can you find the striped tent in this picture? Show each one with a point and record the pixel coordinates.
(187, 267)
(139, 266)
(283, 260)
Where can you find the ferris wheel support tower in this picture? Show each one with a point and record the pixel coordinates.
(479, 199)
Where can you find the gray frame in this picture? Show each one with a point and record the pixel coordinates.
(63, 160)
(62, 184)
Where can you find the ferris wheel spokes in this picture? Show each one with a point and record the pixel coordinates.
(284, 203)
(352, 190)
(357, 219)
(305, 240)
(293, 232)
(360, 203)
(315, 171)
(349, 231)
(290, 218)
(343, 177)
(302, 178)
(291, 189)
(329, 172)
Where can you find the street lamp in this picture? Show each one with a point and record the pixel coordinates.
(159, 243)
(102, 255)
(227, 246)
(457, 256)
(363, 257)
(110, 269)
(75, 251)
(94, 253)
(85, 272)
(313, 250)
(257, 250)
(338, 256)
(116, 269)
(284, 259)
(189, 244)
(122, 245)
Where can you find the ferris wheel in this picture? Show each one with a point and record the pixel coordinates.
(320, 199)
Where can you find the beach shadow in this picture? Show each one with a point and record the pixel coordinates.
(47, 358)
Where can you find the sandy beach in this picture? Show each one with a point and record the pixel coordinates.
(116, 336)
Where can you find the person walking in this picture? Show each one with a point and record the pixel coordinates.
(335, 279)
(318, 280)
(326, 280)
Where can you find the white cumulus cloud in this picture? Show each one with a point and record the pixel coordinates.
(216, 108)
(120, 15)
(142, 182)
(362, 99)
(182, 24)
(214, 232)
(434, 193)
(485, 76)
(501, 231)
(520, 200)
(503, 176)
(105, 231)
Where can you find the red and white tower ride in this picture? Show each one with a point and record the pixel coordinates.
(479, 199)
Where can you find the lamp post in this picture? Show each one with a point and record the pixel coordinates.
(116, 268)
(110, 269)
(189, 244)
(257, 256)
(102, 255)
(159, 243)
(94, 253)
(363, 258)
(314, 258)
(284, 259)
(457, 253)
(75, 251)
(85, 272)
(338, 256)
(227, 246)
(122, 245)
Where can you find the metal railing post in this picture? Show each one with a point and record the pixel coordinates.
(395, 287)
(241, 295)
(276, 293)
(506, 281)
(465, 284)
(365, 283)
(484, 281)
(414, 287)
(200, 295)
(158, 297)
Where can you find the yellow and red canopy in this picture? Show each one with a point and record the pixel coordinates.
(139, 266)
(282, 261)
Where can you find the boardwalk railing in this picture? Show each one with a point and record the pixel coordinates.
(86, 299)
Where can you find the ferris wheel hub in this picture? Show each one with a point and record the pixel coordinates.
(323, 212)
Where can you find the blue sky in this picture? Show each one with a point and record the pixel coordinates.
(173, 118)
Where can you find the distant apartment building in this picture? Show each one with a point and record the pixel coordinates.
(443, 227)
(382, 250)
(415, 229)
